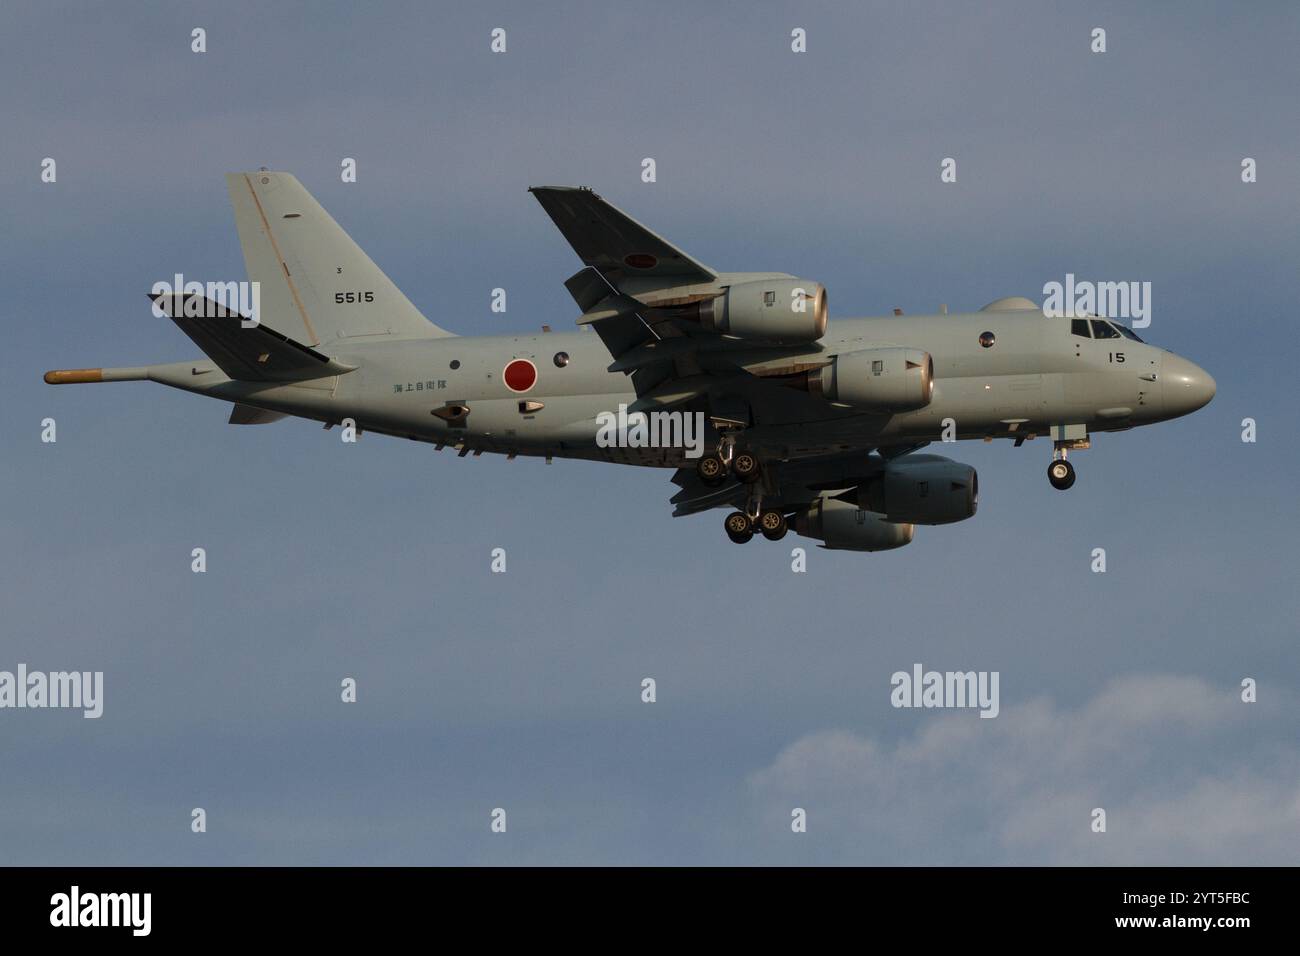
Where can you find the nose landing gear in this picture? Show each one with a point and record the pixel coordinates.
(1060, 473)
(1065, 438)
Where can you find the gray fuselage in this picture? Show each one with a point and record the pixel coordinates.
(1036, 375)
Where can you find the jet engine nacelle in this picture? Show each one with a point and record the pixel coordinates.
(843, 526)
(887, 379)
(923, 489)
(775, 310)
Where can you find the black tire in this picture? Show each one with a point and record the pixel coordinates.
(1061, 474)
(738, 527)
(773, 525)
(711, 470)
(745, 467)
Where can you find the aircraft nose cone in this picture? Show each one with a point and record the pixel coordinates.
(1187, 386)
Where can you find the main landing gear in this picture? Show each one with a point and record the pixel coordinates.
(773, 524)
(712, 469)
(739, 528)
(745, 466)
(770, 522)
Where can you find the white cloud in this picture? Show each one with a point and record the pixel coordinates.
(1177, 764)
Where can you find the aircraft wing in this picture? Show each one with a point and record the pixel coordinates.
(612, 242)
(615, 247)
(670, 359)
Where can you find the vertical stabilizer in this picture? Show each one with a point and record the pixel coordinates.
(317, 285)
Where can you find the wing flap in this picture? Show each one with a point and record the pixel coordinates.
(241, 414)
(588, 288)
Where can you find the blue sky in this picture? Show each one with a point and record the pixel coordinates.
(522, 690)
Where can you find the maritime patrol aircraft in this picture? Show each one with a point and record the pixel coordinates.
(804, 422)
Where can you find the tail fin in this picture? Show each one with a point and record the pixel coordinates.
(316, 283)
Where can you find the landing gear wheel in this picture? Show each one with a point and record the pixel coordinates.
(1061, 474)
(773, 525)
(745, 467)
(712, 470)
(738, 527)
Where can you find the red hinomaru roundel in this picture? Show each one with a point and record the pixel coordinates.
(520, 375)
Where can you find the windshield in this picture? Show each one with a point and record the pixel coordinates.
(1126, 332)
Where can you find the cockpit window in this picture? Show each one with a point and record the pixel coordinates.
(1125, 331)
(1079, 327)
(1103, 330)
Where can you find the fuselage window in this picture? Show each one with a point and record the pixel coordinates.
(1079, 327)
(455, 364)
(1125, 331)
(1103, 330)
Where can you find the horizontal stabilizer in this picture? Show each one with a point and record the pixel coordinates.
(254, 353)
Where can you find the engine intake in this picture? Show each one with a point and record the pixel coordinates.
(773, 310)
(923, 489)
(843, 526)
